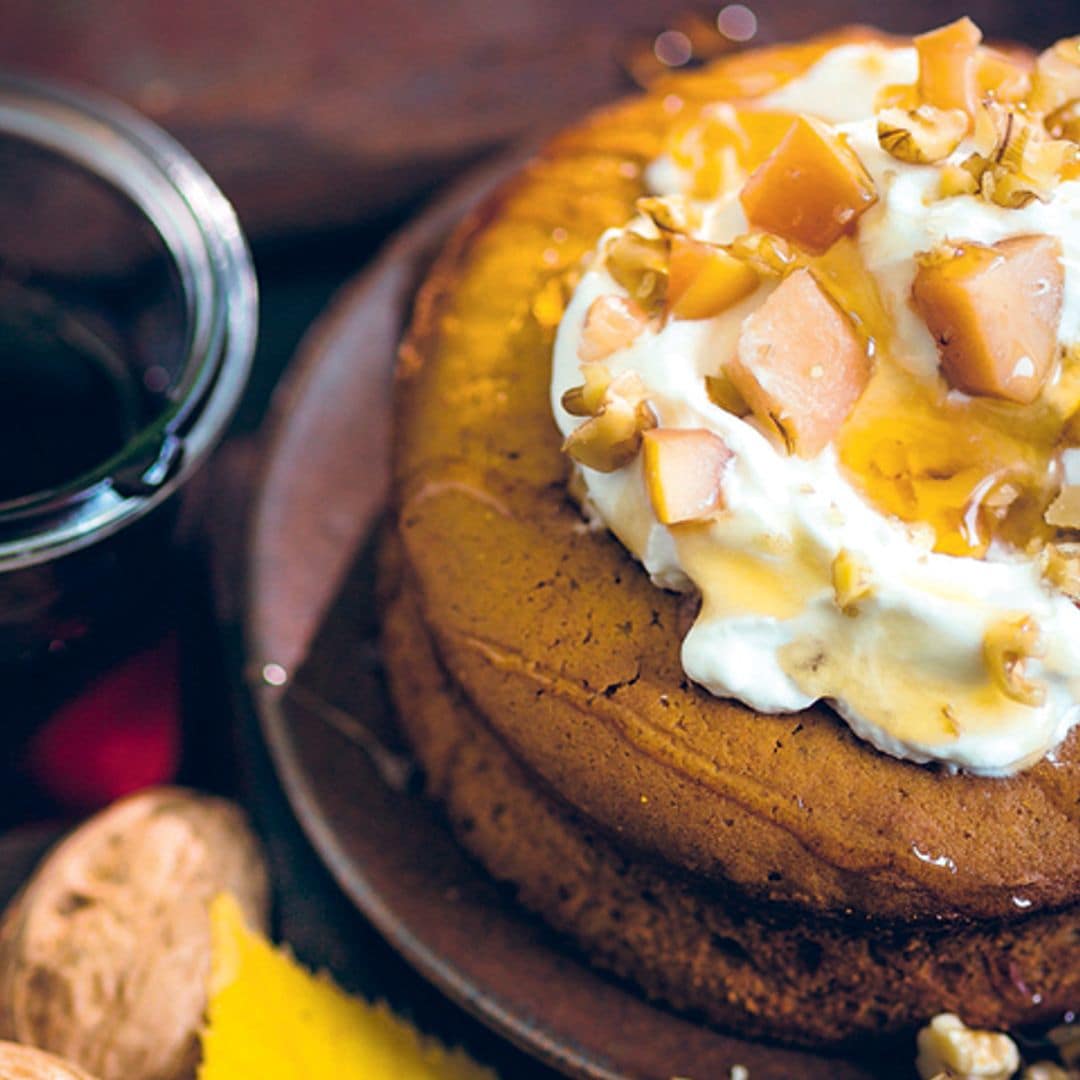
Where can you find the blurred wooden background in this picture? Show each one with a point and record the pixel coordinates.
(328, 112)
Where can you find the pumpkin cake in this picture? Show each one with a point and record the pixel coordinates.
(728, 596)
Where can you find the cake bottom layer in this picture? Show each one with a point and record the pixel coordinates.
(753, 969)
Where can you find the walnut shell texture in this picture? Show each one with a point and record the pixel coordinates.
(105, 953)
(29, 1063)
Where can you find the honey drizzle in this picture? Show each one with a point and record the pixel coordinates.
(909, 446)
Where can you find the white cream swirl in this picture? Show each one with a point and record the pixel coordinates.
(909, 673)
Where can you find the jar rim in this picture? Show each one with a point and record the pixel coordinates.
(203, 240)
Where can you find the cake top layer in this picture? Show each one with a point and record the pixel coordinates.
(567, 651)
(829, 379)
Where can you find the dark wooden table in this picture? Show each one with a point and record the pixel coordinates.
(328, 123)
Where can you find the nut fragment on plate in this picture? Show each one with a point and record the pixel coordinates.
(948, 1047)
(1046, 1070)
(28, 1063)
(105, 952)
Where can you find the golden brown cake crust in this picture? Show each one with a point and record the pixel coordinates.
(569, 653)
(744, 966)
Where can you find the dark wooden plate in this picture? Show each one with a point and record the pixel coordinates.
(314, 677)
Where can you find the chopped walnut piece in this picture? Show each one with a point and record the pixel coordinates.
(1064, 511)
(1007, 646)
(811, 189)
(704, 280)
(800, 365)
(770, 256)
(851, 581)
(947, 71)
(1061, 567)
(923, 135)
(1046, 1070)
(586, 400)
(640, 265)
(1066, 1037)
(684, 471)
(959, 179)
(722, 392)
(948, 1047)
(612, 437)
(670, 213)
(994, 312)
(612, 323)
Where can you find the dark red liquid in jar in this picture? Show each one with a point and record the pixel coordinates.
(68, 402)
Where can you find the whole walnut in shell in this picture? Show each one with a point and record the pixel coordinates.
(105, 953)
(29, 1063)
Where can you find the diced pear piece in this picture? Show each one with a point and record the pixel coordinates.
(800, 366)
(684, 471)
(1002, 76)
(612, 323)
(1056, 81)
(994, 312)
(811, 189)
(947, 66)
(704, 280)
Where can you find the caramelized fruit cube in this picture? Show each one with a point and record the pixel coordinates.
(947, 66)
(1056, 81)
(684, 472)
(612, 323)
(811, 189)
(704, 280)
(1002, 77)
(800, 366)
(994, 312)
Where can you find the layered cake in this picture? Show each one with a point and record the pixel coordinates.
(729, 601)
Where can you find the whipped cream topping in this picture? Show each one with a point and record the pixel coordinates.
(908, 672)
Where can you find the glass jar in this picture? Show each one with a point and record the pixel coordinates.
(128, 317)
